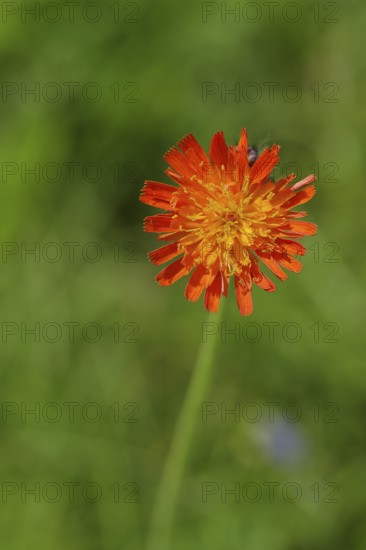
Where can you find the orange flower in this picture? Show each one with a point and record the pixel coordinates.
(225, 215)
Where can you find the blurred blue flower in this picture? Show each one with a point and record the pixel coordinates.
(283, 441)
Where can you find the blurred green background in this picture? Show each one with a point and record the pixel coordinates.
(108, 365)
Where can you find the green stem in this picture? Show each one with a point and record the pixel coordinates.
(168, 490)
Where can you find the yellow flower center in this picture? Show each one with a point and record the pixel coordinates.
(227, 227)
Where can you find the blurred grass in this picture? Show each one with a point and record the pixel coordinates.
(169, 53)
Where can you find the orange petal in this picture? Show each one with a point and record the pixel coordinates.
(291, 247)
(231, 173)
(172, 236)
(189, 142)
(164, 254)
(281, 184)
(178, 161)
(301, 197)
(261, 189)
(245, 278)
(200, 279)
(218, 149)
(243, 142)
(271, 263)
(157, 194)
(158, 223)
(242, 157)
(282, 196)
(171, 273)
(264, 164)
(213, 294)
(187, 183)
(224, 285)
(303, 182)
(243, 298)
(288, 262)
(260, 279)
(296, 214)
(291, 234)
(305, 228)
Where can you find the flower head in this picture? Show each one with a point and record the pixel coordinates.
(225, 217)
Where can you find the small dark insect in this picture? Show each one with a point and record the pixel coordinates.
(254, 151)
(252, 155)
